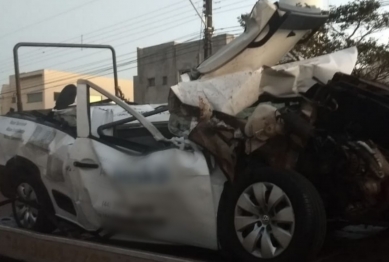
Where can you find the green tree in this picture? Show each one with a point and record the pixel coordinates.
(358, 23)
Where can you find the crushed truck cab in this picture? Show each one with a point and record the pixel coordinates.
(229, 167)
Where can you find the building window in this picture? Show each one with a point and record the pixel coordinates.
(56, 95)
(151, 81)
(35, 97)
(164, 80)
(13, 100)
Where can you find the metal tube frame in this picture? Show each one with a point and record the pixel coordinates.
(60, 45)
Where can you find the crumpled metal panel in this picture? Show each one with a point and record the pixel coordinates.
(322, 4)
(271, 31)
(234, 92)
(256, 28)
(197, 108)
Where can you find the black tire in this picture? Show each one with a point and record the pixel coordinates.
(43, 222)
(310, 218)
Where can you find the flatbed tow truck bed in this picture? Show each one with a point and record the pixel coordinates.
(29, 246)
(33, 247)
(356, 244)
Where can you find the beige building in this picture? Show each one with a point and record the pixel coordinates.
(41, 88)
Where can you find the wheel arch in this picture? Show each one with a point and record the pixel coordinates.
(27, 168)
(19, 161)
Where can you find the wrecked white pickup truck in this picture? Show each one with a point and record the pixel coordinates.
(256, 160)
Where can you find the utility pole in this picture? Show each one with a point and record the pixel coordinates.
(208, 31)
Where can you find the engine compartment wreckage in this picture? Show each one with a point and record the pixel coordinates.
(335, 134)
(307, 116)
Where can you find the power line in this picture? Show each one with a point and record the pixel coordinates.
(197, 12)
(102, 70)
(235, 3)
(97, 67)
(181, 22)
(122, 23)
(101, 29)
(116, 34)
(154, 61)
(143, 37)
(94, 63)
(91, 54)
(125, 31)
(48, 18)
(233, 9)
(88, 72)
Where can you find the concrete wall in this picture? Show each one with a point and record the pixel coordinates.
(168, 60)
(49, 82)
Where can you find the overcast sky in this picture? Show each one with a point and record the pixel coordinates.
(125, 24)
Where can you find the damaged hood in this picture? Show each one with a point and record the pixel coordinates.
(232, 93)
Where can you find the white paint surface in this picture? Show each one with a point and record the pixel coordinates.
(234, 92)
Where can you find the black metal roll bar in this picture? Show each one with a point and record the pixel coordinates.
(60, 45)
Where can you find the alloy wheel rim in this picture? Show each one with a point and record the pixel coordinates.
(264, 220)
(26, 214)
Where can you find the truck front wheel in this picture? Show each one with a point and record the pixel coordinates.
(271, 215)
(31, 208)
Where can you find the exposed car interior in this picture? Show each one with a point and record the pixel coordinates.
(126, 132)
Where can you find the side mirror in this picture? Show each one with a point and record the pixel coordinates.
(66, 97)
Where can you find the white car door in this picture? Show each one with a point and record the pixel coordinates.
(153, 190)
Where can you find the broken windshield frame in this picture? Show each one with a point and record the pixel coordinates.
(142, 120)
(158, 110)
